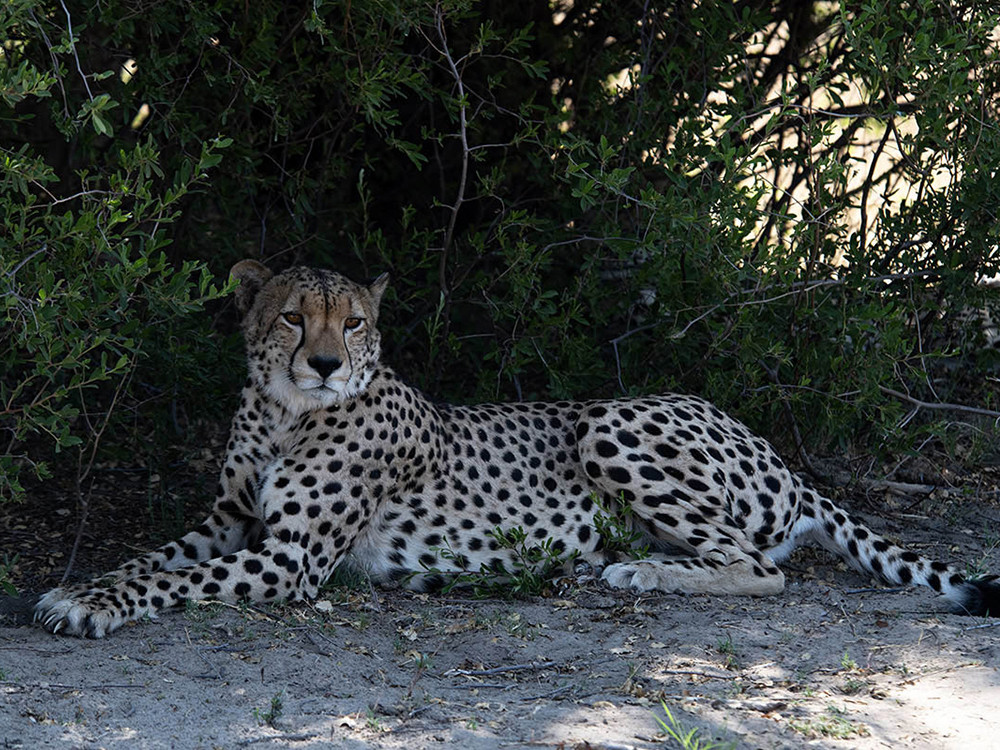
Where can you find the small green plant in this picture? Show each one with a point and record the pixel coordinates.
(686, 739)
(991, 539)
(201, 612)
(615, 524)
(5, 568)
(978, 568)
(727, 648)
(847, 663)
(853, 686)
(532, 565)
(362, 622)
(373, 722)
(834, 724)
(344, 580)
(422, 661)
(632, 686)
(518, 627)
(273, 712)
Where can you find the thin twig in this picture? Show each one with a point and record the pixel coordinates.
(680, 334)
(940, 406)
(868, 184)
(73, 197)
(912, 680)
(41, 651)
(83, 472)
(699, 673)
(549, 694)
(463, 137)
(59, 686)
(550, 743)
(72, 44)
(13, 272)
(55, 63)
(840, 478)
(981, 627)
(83, 502)
(483, 686)
(303, 737)
(618, 339)
(498, 670)
(901, 488)
(800, 447)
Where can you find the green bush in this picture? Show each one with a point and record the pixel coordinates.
(96, 318)
(786, 207)
(90, 303)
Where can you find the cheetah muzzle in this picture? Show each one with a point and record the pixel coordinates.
(331, 454)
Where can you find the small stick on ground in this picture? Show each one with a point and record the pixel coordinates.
(59, 686)
(498, 670)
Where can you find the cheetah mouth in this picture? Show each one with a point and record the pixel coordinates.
(308, 384)
(332, 387)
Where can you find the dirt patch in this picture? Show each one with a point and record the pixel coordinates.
(831, 663)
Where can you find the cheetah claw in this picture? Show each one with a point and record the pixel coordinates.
(65, 615)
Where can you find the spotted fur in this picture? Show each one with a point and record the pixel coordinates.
(332, 456)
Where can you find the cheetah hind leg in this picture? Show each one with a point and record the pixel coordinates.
(720, 562)
(694, 576)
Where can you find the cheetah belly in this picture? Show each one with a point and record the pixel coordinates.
(412, 539)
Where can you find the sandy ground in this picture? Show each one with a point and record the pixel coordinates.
(831, 663)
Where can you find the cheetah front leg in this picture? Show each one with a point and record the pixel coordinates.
(234, 523)
(227, 529)
(221, 533)
(271, 571)
(304, 545)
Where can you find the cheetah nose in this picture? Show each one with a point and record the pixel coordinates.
(324, 365)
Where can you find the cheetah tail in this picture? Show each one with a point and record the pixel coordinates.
(981, 597)
(838, 531)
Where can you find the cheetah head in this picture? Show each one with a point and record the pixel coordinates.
(310, 333)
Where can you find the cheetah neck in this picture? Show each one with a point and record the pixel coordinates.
(284, 423)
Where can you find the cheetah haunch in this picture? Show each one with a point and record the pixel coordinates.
(331, 455)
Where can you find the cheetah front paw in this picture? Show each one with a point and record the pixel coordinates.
(71, 612)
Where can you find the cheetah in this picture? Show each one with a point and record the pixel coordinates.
(332, 457)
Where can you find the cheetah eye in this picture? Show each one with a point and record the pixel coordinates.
(351, 323)
(292, 318)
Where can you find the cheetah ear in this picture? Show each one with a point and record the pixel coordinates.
(252, 277)
(377, 288)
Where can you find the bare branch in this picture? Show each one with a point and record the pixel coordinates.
(961, 408)
(800, 446)
(868, 184)
(463, 137)
(72, 44)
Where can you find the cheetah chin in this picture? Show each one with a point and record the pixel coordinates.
(420, 492)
